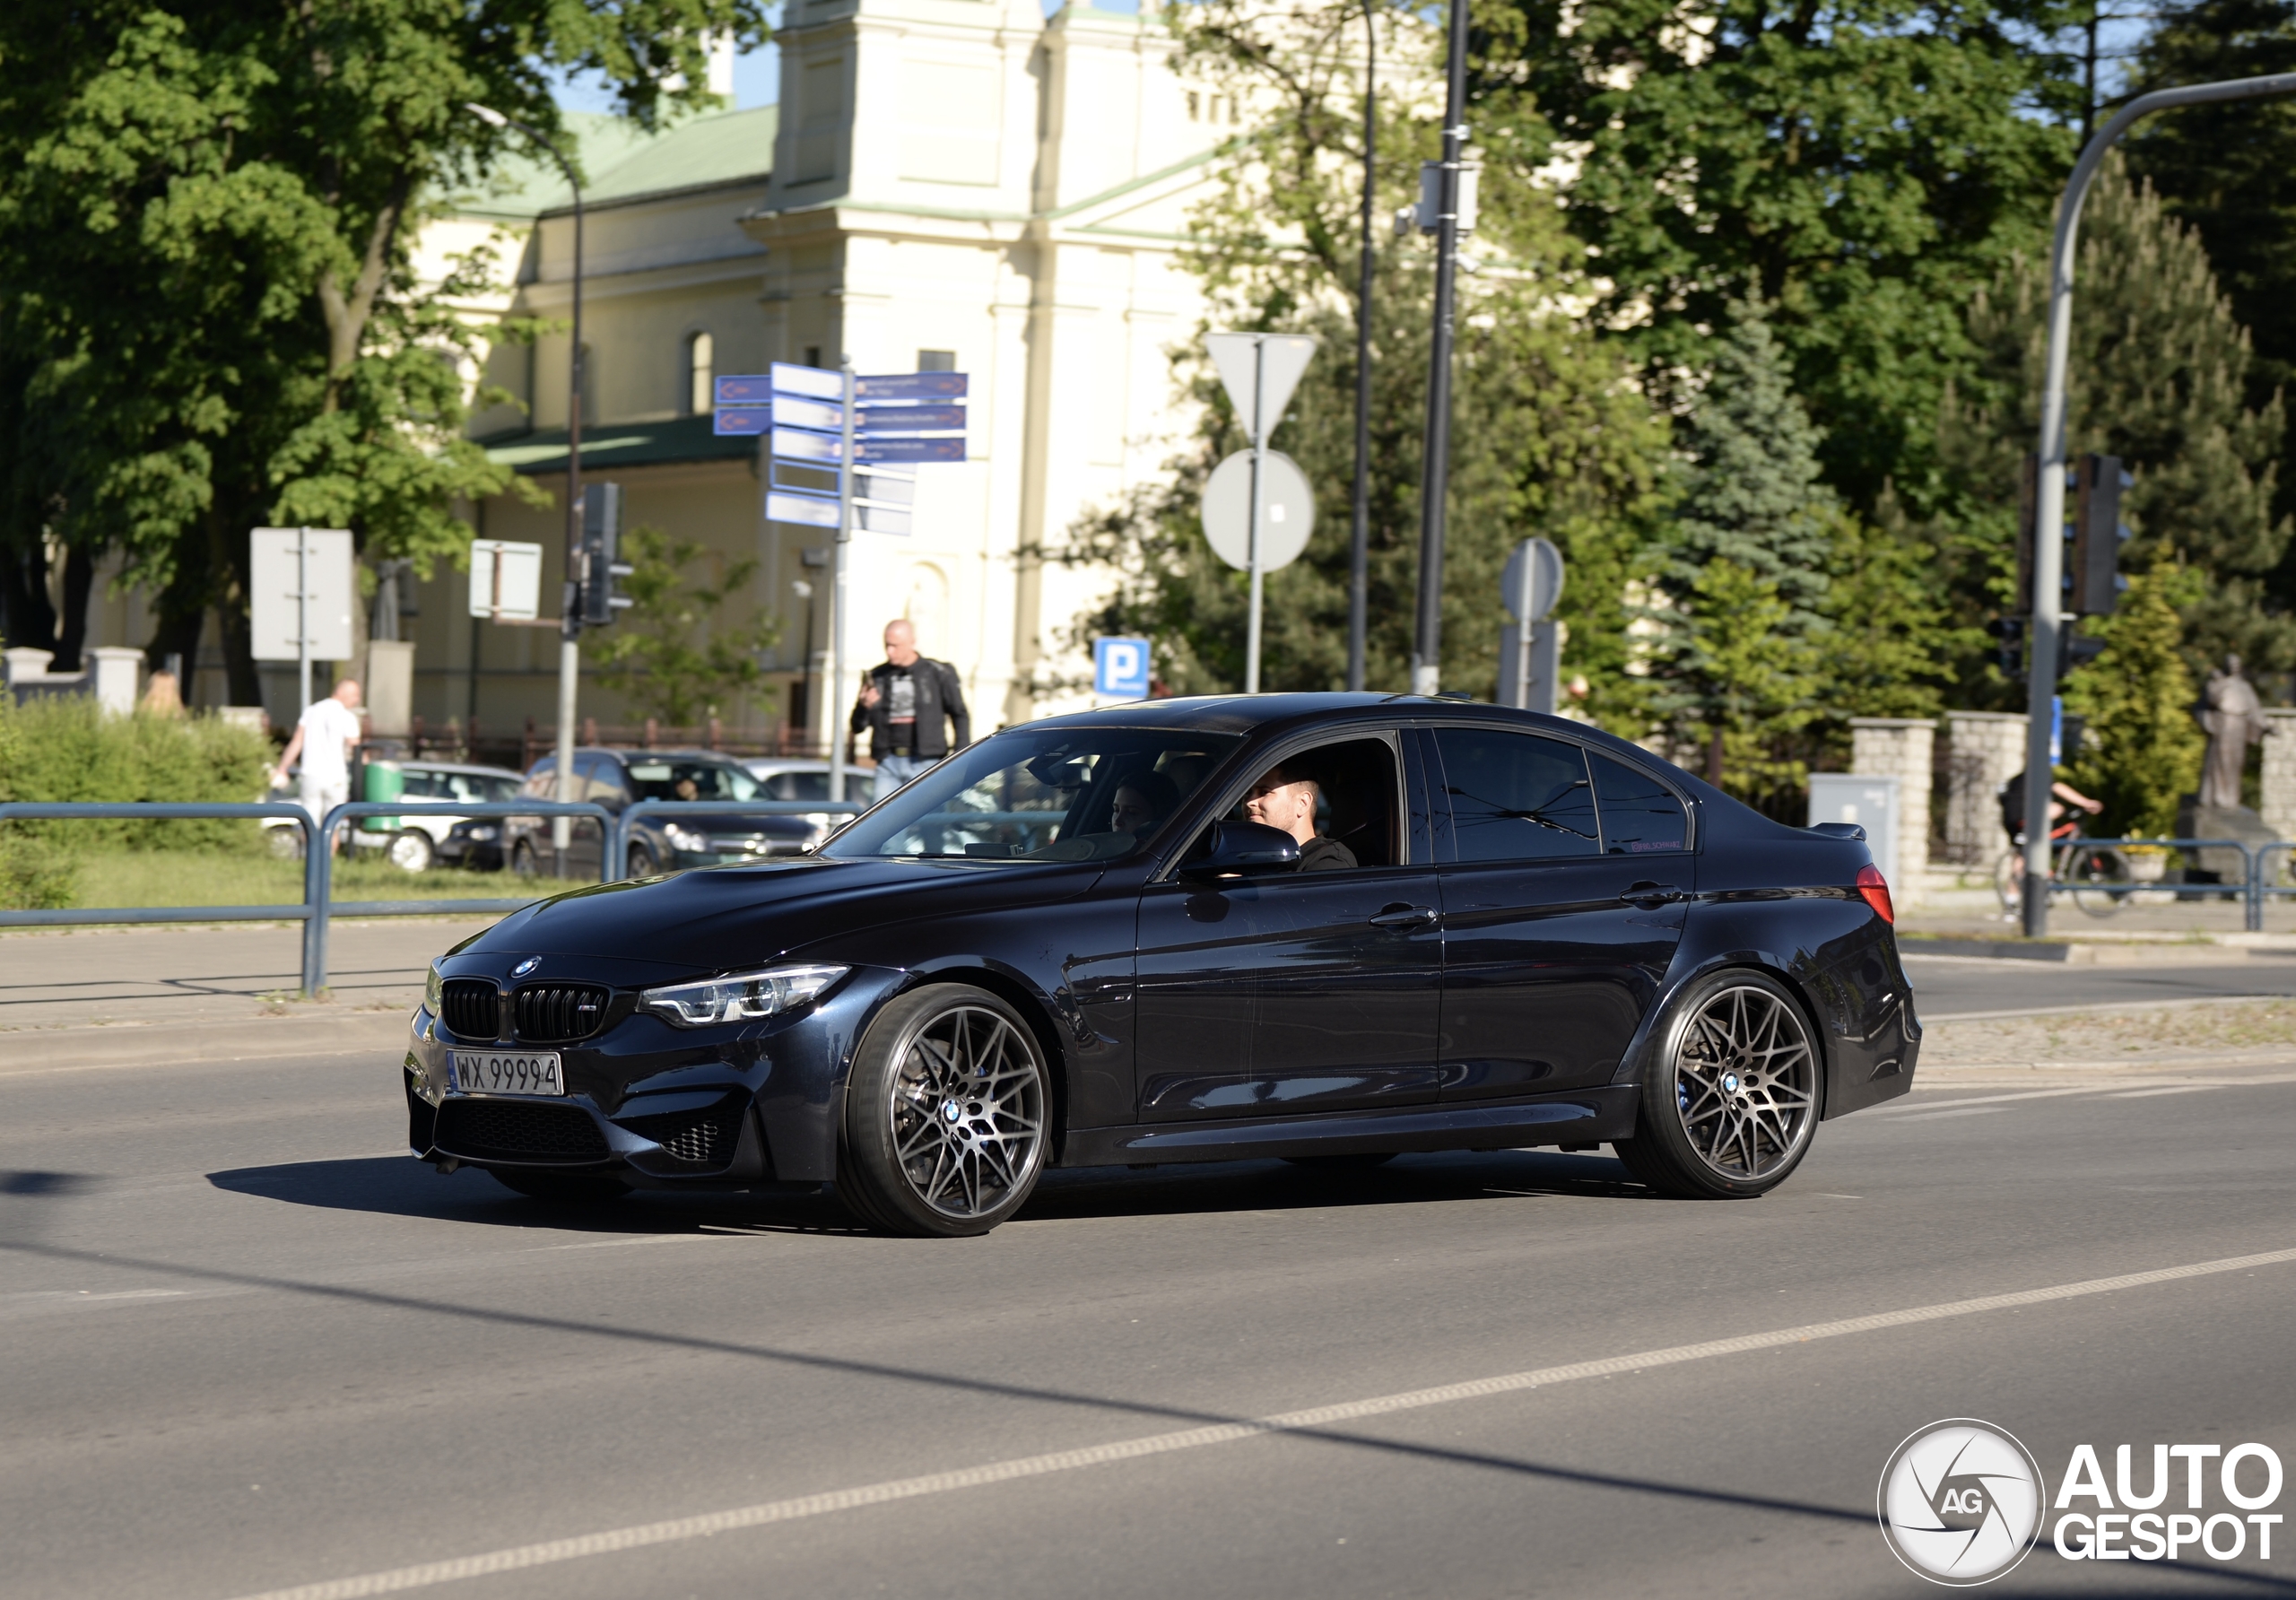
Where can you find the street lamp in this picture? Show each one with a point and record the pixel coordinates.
(1427, 657)
(569, 622)
(2048, 522)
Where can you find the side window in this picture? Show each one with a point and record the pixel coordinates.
(606, 785)
(1640, 813)
(1345, 792)
(1516, 796)
(542, 782)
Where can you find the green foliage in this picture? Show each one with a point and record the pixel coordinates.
(66, 749)
(2142, 749)
(1860, 165)
(1547, 435)
(1747, 678)
(2157, 376)
(667, 654)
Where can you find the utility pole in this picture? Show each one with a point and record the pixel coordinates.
(2049, 521)
(1427, 657)
(1358, 556)
(834, 714)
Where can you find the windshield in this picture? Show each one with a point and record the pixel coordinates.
(1042, 795)
(683, 779)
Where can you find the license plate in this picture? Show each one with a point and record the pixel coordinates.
(506, 1072)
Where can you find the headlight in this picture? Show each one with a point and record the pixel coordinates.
(485, 830)
(814, 837)
(740, 996)
(434, 990)
(681, 839)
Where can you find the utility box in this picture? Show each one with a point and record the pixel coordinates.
(1871, 802)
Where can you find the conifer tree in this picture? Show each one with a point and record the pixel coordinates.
(2142, 749)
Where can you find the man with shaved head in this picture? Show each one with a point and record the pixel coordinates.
(905, 702)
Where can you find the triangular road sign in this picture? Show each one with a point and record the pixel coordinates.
(1240, 366)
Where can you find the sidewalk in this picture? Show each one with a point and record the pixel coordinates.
(122, 996)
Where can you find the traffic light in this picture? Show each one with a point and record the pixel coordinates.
(2010, 634)
(603, 570)
(2093, 582)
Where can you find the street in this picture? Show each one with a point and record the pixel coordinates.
(253, 1346)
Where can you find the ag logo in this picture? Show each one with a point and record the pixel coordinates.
(1961, 1501)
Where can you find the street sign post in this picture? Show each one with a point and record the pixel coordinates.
(303, 590)
(505, 580)
(1120, 668)
(1259, 371)
(834, 445)
(1530, 646)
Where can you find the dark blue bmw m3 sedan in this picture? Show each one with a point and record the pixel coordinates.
(1324, 928)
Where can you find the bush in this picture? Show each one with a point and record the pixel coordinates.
(68, 750)
(33, 875)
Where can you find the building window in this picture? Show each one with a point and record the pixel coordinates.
(812, 355)
(1194, 106)
(700, 374)
(936, 361)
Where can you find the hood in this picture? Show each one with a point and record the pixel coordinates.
(722, 918)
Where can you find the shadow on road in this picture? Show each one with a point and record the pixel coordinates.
(401, 1186)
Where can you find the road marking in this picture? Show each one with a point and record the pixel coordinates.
(1899, 1107)
(2174, 1089)
(1964, 1111)
(2102, 1006)
(520, 1557)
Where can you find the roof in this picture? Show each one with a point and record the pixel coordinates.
(619, 160)
(542, 452)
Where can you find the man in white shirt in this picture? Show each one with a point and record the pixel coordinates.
(326, 735)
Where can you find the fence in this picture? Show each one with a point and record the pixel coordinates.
(2247, 886)
(519, 747)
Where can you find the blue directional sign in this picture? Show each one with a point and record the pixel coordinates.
(798, 444)
(876, 421)
(893, 450)
(790, 411)
(904, 417)
(742, 419)
(742, 391)
(1120, 668)
(817, 383)
(911, 385)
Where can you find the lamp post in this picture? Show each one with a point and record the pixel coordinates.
(1427, 656)
(1359, 555)
(569, 622)
(2049, 521)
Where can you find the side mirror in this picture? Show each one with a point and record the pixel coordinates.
(1239, 847)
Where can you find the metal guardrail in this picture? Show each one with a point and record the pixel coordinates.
(2246, 886)
(724, 808)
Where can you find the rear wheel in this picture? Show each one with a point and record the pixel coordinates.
(572, 1188)
(411, 851)
(1728, 1110)
(285, 843)
(947, 1115)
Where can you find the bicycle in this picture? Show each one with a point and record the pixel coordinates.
(2097, 876)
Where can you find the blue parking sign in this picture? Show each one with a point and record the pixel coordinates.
(1120, 668)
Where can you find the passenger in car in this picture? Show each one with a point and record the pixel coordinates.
(1141, 803)
(1283, 798)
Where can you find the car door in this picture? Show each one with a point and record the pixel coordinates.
(600, 780)
(1296, 991)
(1556, 934)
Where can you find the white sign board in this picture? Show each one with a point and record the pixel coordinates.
(1290, 507)
(505, 580)
(1244, 360)
(303, 584)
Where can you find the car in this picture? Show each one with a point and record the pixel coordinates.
(614, 778)
(1070, 944)
(422, 838)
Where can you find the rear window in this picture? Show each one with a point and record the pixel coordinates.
(1641, 815)
(1516, 796)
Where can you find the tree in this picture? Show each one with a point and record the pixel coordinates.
(206, 292)
(1743, 677)
(667, 654)
(2142, 749)
(2157, 376)
(1548, 435)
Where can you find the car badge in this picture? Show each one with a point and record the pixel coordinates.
(526, 966)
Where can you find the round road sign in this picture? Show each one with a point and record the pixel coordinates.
(1289, 511)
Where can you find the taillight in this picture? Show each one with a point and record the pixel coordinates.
(1875, 888)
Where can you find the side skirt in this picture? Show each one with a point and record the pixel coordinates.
(1583, 1116)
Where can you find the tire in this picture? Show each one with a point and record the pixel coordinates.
(1729, 1106)
(285, 844)
(641, 862)
(2100, 879)
(411, 850)
(947, 1115)
(522, 861)
(564, 1188)
(2009, 881)
(1344, 1163)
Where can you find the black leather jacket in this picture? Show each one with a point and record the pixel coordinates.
(939, 696)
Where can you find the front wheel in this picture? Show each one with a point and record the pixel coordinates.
(2100, 878)
(411, 851)
(947, 1115)
(1728, 1109)
(641, 862)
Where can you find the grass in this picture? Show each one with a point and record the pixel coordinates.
(235, 878)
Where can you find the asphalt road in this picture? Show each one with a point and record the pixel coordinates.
(250, 1347)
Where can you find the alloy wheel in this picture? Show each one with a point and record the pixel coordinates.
(967, 1112)
(1745, 1083)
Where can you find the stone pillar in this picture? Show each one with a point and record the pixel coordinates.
(1984, 749)
(1899, 747)
(116, 675)
(2279, 807)
(26, 665)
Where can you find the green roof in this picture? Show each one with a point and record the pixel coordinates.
(619, 160)
(542, 452)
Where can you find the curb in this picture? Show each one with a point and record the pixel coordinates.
(2177, 953)
(204, 1043)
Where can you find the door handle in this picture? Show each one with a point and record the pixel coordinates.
(1651, 894)
(1401, 917)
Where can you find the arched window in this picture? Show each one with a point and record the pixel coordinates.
(701, 370)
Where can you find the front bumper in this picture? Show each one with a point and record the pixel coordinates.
(659, 1106)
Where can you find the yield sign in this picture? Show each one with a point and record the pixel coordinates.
(1244, 359)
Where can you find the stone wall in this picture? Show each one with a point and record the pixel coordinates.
(1899, 747)
(2279, 807)
(1984, 749)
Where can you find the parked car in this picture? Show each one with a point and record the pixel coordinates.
(424, 837)
(795, 778)
(615, 777)
(1070, 944)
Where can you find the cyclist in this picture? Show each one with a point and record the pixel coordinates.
(2013, 808)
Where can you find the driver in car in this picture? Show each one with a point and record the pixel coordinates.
(1283, 798)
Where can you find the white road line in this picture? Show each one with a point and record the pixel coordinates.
(1899, 1107)
(518, 1558)
(2174, 1089)
(1964, 1111)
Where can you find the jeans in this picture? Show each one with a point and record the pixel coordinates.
(894, 770)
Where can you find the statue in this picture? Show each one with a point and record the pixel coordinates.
(2234, 717)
